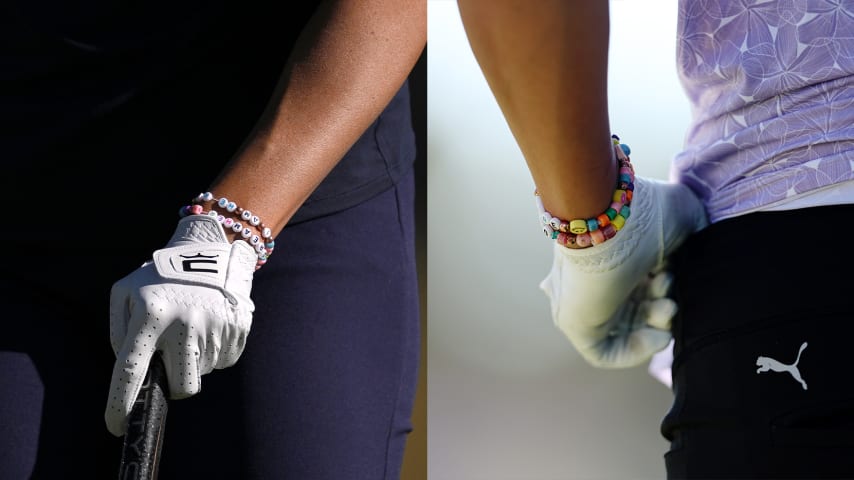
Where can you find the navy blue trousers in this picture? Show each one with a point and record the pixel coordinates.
(324, 389)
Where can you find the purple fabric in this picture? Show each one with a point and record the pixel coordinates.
(771, 85)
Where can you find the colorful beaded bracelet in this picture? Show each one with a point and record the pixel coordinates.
(595, 230)
(262, 242)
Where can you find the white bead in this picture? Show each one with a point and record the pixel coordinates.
(548, 230)
(237, 226)
(246, 233)
(267, 233)
(222, 202)
(255, 220)
(545, 217)
(540, 208)
(231, 206)
(207, 196)
(555, 223)
(254, 240)
(213, 213)
(246, 215)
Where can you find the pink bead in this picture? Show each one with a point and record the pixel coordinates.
(196, 209)
(597, 237)
(561, 238)
(583, 240)
(228, 222)
(609, 231)
(616, 206)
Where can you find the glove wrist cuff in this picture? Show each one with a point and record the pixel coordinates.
(199, 254)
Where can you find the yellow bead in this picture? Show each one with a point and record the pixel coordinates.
(577, 226)
(618, 222)
(619, 196)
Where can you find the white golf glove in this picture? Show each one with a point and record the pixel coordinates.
(190, 302)
(610, 300)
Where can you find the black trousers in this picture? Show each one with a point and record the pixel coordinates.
(763, 357)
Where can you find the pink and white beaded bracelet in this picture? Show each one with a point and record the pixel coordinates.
(262, 241)
(595, 230)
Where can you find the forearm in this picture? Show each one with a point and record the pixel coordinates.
(546, 64)
(346, 67)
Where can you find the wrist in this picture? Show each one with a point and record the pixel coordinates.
(238, 224)
(585, 232)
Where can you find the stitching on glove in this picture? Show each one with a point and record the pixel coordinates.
(611, 254)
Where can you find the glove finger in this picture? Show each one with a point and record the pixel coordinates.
(659, 284)
(181, 363)
(642, 344)
(627, 351)
(119, 315)
(208, 339)
(234, 339)
(658, 313)
(129, 372)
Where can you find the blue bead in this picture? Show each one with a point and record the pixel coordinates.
(626, 149)
(592, 224)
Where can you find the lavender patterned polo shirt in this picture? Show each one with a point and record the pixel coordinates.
(771, 85)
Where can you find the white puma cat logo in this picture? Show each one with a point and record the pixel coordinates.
(768, 363)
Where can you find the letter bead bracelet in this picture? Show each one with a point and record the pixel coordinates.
(249, 226)
(583, 232)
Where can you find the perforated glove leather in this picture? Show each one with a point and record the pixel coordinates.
(610, 300)
(191, 302)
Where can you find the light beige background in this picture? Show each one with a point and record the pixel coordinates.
(508, 397)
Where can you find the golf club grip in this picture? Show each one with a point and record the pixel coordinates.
(144, 437)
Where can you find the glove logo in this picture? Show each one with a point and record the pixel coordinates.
(191, 262)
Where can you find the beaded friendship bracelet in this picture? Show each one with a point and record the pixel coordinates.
(595, 230)
(262, 241)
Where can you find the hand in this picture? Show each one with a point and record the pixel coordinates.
(610, 300)
(191, 302)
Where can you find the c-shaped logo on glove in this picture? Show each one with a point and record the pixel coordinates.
(189, 265)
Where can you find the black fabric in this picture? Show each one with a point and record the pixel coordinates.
(757, 287)
(117, 113)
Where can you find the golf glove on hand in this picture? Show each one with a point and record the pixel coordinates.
(191, 303)
(610, 300)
